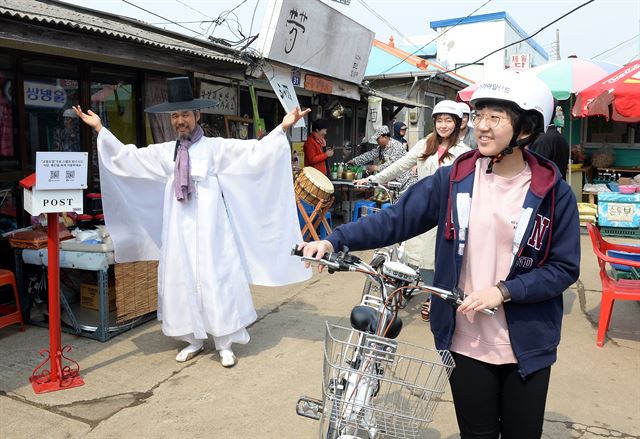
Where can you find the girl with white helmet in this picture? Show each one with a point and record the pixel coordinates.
(509, 238)
(440, 148)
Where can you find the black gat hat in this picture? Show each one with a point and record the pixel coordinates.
(180, 98)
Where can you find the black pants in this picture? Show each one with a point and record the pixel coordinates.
(493, 401)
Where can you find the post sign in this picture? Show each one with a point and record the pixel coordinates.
(52, 201)
(61, 170)
(280, 80)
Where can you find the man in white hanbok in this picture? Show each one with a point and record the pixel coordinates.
(219, 214)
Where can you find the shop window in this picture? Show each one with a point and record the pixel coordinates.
(50, 89)
(600, 130)
(9, 164)
(8, 151)
(113, 99)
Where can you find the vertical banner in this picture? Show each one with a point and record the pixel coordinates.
(374, 116)
(259, 126)
(280, 80)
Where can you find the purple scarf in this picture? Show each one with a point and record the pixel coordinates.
(182, 172)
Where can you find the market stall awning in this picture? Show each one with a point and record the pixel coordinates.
(619, 91)
(395, 100)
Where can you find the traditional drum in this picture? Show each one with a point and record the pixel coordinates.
(312, 186)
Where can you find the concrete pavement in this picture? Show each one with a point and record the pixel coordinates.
(135, 389)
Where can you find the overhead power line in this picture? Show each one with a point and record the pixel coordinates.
(385, 21)
(519, 41)
(434, 39)
(616, 46)
(160, 16)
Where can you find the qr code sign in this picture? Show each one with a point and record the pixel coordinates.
(54, 175)
(71, 175)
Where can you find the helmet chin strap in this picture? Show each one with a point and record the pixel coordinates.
(515, 142)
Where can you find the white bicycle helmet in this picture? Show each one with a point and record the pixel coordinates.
(447, 107)
(464, 108)
(525, 92)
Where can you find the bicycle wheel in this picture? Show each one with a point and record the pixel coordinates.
(333, 424)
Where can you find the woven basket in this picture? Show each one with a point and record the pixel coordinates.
(602, 158)
(136, 289)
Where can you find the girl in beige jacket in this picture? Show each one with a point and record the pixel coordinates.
(440, 148)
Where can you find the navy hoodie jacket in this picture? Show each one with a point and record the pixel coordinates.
(546, 259)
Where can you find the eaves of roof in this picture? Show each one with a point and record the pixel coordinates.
(399, 63)
(59, 14)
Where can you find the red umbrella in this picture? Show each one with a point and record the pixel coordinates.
(464, 95)
(620, 90)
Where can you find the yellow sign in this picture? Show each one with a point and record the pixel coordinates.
(297, 154)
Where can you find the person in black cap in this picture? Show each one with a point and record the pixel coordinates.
(194, 204)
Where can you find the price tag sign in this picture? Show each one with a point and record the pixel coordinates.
(623, 212)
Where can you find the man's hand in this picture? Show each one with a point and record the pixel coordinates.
(90, 119)
(315, 249)
(361, 182)
(292, 117)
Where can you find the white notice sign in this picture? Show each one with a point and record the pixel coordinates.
(280, 80)
(61, 170)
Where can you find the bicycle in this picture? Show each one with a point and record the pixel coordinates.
(374, 385)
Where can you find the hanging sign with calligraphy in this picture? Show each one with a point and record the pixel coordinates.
(313, 36)
(280, 80)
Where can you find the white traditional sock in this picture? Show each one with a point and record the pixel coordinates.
(227, 358)
(190, 351)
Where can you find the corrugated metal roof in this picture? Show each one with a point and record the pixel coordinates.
(65, 15)
(382, 62)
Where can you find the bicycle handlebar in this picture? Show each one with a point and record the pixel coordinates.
(333, 261)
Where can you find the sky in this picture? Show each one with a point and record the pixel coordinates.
(607, 30)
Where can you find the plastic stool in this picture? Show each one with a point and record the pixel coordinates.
(385, 205)
(13, 313)
(322, 232)
(358, 205)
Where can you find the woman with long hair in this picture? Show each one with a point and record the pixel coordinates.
(439, 148)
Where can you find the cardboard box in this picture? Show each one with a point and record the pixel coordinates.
(90, 297)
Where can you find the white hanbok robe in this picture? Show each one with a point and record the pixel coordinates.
(237, 228)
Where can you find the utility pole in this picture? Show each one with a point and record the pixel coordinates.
(557, 43)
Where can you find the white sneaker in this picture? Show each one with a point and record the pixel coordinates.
(189, 352)
(227, 358)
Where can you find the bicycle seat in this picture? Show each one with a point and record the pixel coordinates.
(366, 319)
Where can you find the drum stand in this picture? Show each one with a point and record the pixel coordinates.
(313, 220)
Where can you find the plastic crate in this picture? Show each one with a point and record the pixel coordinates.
(623, 232)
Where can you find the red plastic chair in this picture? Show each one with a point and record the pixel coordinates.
(623, 289)
(10, 314)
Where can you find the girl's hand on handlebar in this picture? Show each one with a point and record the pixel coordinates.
(484, 299)
(316, 249)
(361, 182)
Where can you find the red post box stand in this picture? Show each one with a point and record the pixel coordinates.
(58, 376)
